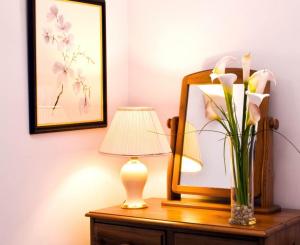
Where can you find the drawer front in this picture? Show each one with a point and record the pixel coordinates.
(104, 234)
(188, 239)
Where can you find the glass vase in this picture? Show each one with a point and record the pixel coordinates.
(242, 190)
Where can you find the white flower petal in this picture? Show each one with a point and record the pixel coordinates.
(254, 114)
(210, 113)
(256, 98)
(227, 81)
(258, 80)
(213, 76)
(222, 63)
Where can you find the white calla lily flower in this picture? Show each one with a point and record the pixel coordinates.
(254, 114)
(246, 62)
(222, 63)
(256, 98)
(210, 113)
(213, 76)
(227, 80)
(258, 80)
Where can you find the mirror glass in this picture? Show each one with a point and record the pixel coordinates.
(204, 162)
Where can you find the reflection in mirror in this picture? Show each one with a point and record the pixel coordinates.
(203, 156)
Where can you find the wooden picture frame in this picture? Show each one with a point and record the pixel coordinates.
(218, 198)
(67, 65)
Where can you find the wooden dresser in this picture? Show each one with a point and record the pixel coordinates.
(158, 225)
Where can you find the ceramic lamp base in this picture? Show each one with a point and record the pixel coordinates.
(134, 176)
(134, 205)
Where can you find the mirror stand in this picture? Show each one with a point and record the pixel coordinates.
(263, 202)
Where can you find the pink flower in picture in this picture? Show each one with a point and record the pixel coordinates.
(80, 81)
(52, 14)
(66, 42)
(63, 72)
(84, 105)
(62, 25)
(48, 35)
(77, 87)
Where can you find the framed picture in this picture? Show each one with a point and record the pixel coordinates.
(67, 65)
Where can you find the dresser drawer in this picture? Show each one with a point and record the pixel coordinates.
(105, 234)
(188, 239)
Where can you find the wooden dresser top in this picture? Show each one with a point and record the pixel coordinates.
(196, 219)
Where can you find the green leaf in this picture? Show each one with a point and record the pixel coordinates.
(224, 155)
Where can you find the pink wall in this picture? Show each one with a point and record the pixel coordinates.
(49, 181)
(171, 38)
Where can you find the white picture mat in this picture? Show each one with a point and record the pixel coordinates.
(86, 29)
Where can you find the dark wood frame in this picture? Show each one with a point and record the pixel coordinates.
(32, 86)
(218, 198)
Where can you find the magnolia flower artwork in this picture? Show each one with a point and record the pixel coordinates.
(64, 42)
(70, 72)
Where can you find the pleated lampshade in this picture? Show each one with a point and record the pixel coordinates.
(191, 156)
(135, 131)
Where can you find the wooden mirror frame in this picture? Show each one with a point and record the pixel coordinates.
(218, 198)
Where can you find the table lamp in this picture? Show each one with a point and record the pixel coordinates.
(135, 132)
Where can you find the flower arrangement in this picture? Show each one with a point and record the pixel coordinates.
(63, 40)
(241, 136)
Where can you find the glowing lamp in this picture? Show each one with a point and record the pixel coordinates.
(189, 165)
(191, 161)
(135, 132)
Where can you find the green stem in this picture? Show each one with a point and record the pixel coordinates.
(244, 145)
(244, 108)
(240, 147)
(245, 154)
(234, 173)
(233, 124)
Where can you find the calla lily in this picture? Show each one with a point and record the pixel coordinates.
(210, 113)
(256, 98)
(258, 80)
(221, 65)
(227, 81)
(246, 62)
(254, 114)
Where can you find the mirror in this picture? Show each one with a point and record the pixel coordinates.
(204, 162)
